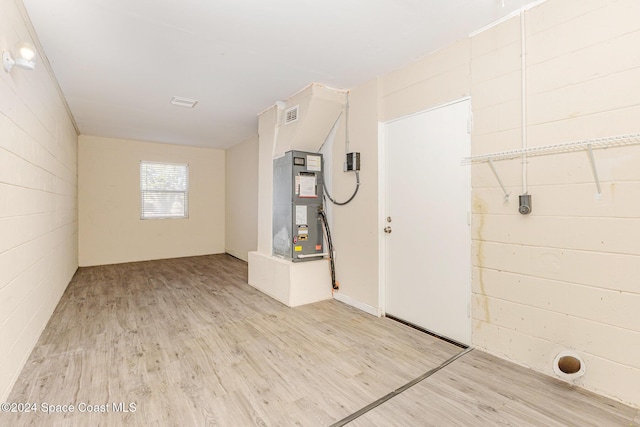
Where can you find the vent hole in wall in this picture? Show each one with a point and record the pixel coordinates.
(569, 364)
(291, 115)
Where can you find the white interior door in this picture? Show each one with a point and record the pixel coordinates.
(428, 249)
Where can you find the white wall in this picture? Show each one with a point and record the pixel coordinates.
(110, 228)
(241, 194)
(38, 203)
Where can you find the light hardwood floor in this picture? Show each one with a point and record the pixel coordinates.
(191, 344)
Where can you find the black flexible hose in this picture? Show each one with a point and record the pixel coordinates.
(323, 216)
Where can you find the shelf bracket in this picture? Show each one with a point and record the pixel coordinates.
(495, 173)
(569, 147)
(594, 170)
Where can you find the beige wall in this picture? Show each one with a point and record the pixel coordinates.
(291, 283)
(267, 131)
(436, 79)
(355, 225)
(38, 204)
(565, 277)
(241, 194)
(110, 228)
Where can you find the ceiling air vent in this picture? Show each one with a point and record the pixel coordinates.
(183, 102)
(291, 115)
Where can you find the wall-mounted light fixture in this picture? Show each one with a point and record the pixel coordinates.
(24, 58)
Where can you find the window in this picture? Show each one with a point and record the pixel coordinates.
(164, 190)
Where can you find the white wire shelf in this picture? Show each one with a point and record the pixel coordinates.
(587, 145)
(568, 147)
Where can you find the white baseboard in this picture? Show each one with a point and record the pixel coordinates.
(374, 311)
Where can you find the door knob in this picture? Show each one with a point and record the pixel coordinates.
(387, 230)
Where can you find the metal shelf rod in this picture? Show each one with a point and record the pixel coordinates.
(594, 170)
(589, 145)
(495, 173)
(568, 147)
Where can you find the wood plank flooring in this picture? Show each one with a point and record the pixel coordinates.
(191, 344)
(482, 390)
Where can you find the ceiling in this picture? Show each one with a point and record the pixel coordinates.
(119, 62)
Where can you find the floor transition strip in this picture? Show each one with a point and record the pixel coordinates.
(399, 390)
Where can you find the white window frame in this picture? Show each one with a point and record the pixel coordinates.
(145, 192)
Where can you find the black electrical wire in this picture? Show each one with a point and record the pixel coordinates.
(323, 216)
(326, 192)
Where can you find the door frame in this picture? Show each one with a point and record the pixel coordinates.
(382, 203)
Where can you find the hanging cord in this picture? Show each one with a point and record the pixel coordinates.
(326, 192)
(323, 216)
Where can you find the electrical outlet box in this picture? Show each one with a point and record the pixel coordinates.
(525, 204)
(352, 163)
